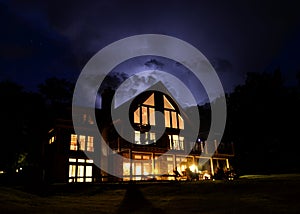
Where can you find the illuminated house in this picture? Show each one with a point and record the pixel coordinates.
(67, 152)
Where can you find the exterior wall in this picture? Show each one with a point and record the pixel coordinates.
(67, 165)
(145, 165)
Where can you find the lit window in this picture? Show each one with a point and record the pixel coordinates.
(144, 115)
(51, 140)
(174, 119)
(150, 100)
(176, 142)
(152, 116)
(181, 143)
(137, 116)
(81, 172)
(167, 104)
(72, 171)
(180, 121)
(137, 137)
(138, 157)
(167, 119)
(90, 144)
(146, 169)
(88, 179)
(171, 142)
(152, 137)
(138, 170)
(146, 138)
(89, 171)
(169, 158)
(170, 170)
(73, 145)
(146, 157)
(126, 168)
(82, 142)
(72, 160)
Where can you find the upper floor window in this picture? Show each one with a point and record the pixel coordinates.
(172, 118)
(82, 142)
(145, 113)
(73, 145)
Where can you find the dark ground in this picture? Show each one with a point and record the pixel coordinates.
(249, 194)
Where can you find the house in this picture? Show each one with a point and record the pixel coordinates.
(152, 149)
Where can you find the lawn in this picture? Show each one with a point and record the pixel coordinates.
(249, 194)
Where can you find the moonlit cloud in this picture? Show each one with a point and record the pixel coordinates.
(139, 83)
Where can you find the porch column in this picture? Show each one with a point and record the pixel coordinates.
(153, 164)
(212, 167)
(227, 163)
(130, 167)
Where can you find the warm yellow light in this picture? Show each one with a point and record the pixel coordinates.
(1, 172)
(206, 176)
(193, 168)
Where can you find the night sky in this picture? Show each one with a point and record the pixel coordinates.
(43, 39)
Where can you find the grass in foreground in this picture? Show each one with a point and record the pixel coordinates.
(250, 194)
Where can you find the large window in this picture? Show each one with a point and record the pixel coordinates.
(172, 118)
(145, 113)
(82, 142)
(80, 170)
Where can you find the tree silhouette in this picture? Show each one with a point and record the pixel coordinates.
(259, 122)
(57, 91)
(22, 128)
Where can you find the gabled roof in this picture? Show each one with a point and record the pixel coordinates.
(159, 86)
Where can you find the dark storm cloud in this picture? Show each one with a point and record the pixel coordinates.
(30, 50)
(59, 37)
(247, 34)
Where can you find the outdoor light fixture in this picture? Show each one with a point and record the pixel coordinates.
(193, 168)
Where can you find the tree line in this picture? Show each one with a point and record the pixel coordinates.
(262, 123)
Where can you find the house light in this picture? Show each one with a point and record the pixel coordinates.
(206, 176)
(193, 168)
(1, 172)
